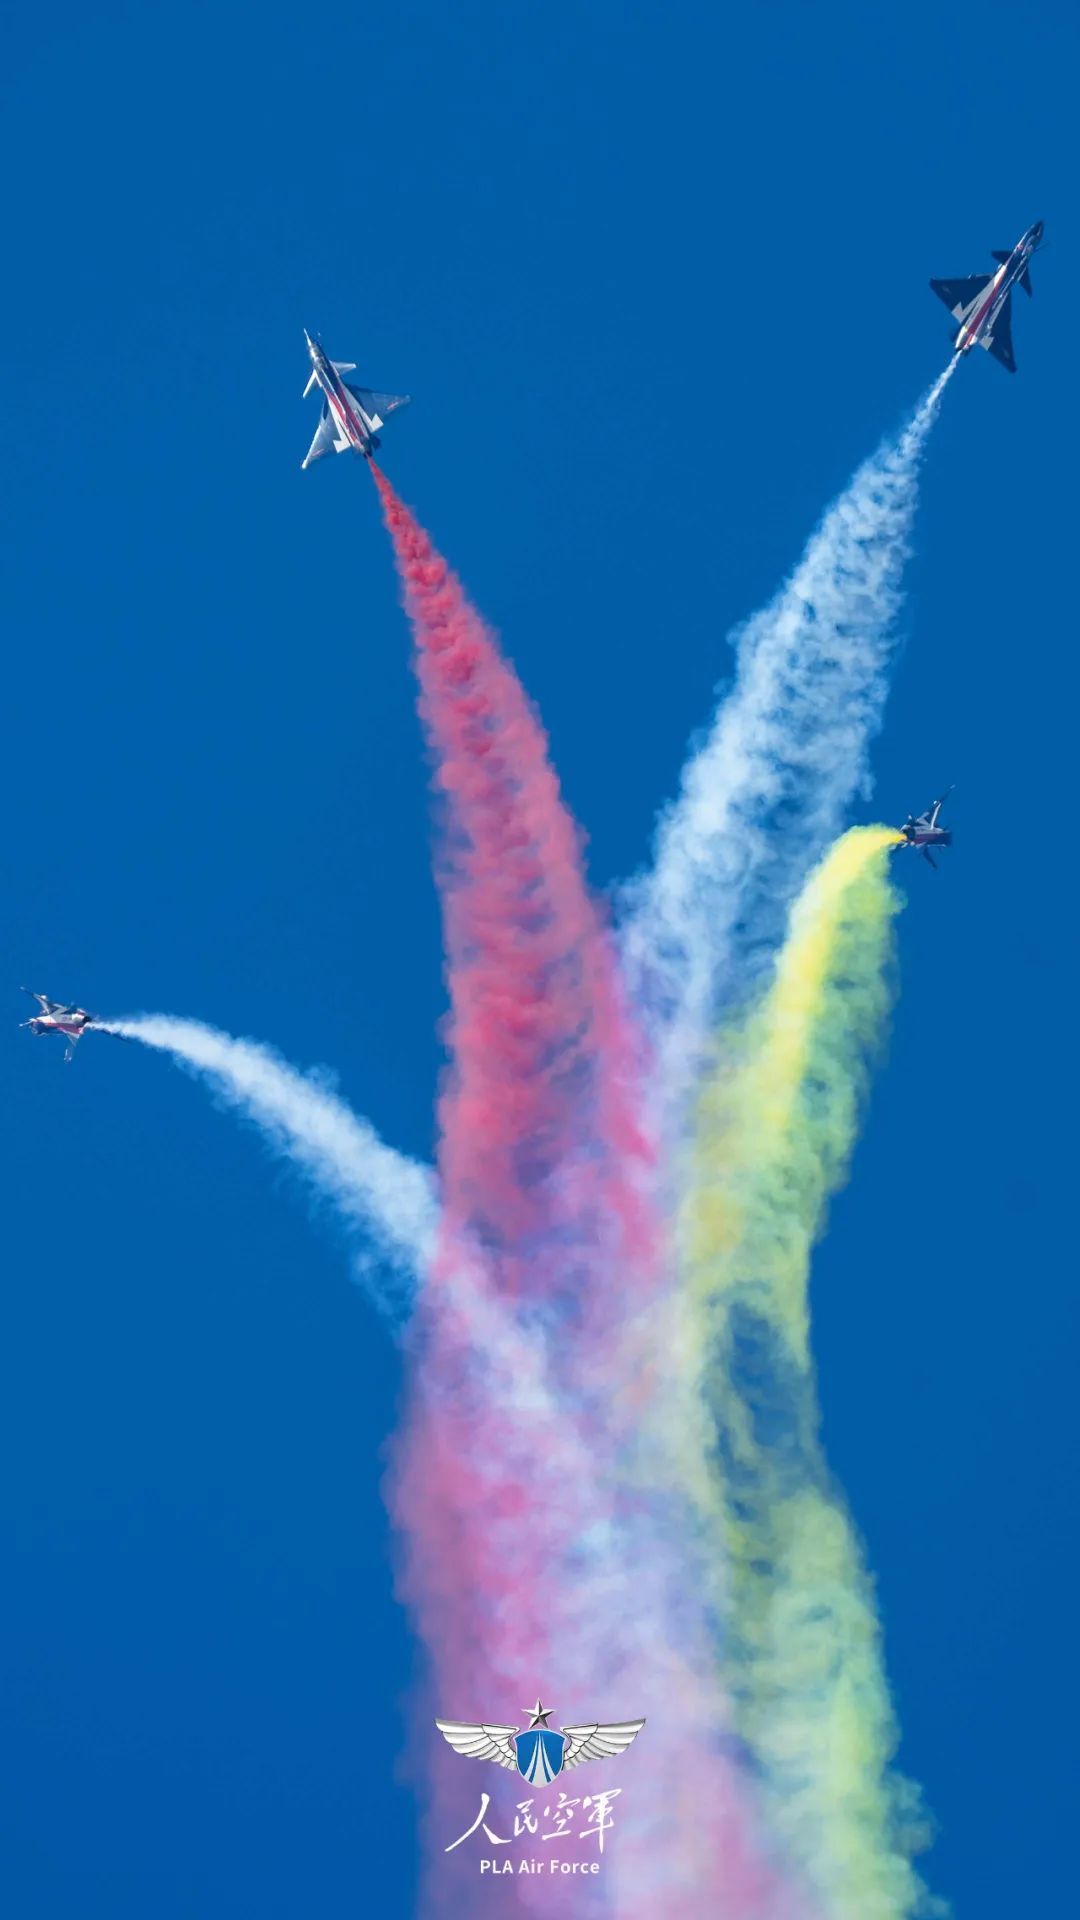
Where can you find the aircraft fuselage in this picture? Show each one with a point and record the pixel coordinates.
(70, 1024)
(349, 416)
(980, 322)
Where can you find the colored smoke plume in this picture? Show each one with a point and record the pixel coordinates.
(785, 755)
(803, 1660)
(543, 1157)
(520, 1562)
(386, 1197)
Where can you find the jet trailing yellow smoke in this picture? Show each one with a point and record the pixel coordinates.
(776, 1128)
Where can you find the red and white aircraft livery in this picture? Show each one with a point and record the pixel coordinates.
(351, 416)
(983, 302)
(54, 1017)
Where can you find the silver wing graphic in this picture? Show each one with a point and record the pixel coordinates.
(960, 295)
(599, 1743)
(480, 1743)
(327, 439)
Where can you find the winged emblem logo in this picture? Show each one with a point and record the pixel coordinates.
(539, 1752)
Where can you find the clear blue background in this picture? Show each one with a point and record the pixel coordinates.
(656, 276)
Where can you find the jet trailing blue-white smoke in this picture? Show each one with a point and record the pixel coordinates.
(786, 754)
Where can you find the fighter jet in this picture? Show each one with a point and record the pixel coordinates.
(351, 416)
(983, 302)
(54, 1017)
(923, 831)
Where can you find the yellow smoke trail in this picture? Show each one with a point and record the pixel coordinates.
(776, 1128)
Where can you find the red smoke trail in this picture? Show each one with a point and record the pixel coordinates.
(543, 1157)
(521, 1564)
(544, 1171)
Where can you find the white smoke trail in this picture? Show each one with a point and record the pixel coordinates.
(388, 1197)
(785, 756)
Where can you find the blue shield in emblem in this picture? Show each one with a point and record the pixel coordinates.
(539, 1755)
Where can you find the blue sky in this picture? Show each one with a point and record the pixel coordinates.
(657, 280)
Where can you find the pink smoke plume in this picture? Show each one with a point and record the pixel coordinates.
(543, 1154)
(525, 1563)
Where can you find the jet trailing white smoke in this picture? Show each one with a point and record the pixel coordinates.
(786, 754)
(382, 1194)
